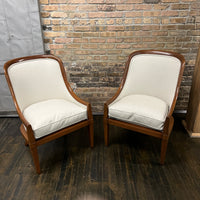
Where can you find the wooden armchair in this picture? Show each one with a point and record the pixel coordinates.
(45, 102)
(147, 95)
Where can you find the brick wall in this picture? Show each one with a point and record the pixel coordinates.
(94, 38)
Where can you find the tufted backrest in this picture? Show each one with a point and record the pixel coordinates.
(37, 80)
(152, 74)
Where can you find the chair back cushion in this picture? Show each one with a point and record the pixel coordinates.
(37, 80)
(153, 75)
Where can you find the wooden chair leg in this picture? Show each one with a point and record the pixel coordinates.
(106, 132)
(164, 144)
(26, 143)
(91, 134)
(35, 156)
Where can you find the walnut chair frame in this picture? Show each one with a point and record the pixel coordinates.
(169, 121)
(26, 128)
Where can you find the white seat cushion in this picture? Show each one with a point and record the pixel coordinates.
(147, 111)
(52, 115)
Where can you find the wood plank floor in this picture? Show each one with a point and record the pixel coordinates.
(127, 169)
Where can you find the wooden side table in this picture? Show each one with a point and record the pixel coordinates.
(192, 122)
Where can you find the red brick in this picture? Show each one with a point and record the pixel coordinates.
(73, 46)
(125, 34)
(57, 1)
(170, 1)
(161, 6)
(77, 15)
(82, 28)
(76, 1)
(178, 20)
(108, 34)
(63, 40)
(114, 40)
(116, 51)
(45, 14)
(59, 52)
(142, 33)
(114, 14)
(151, 13)
(169, 13)
(188, 1)
(116, 28)
(107, 7)
(194, 33)
(98, 52)
(56, 46)
(125, 7)
(134, 1)
(60, 28)
(44, 1)
(98, 28)
(74, 35)
(132, 40)
(151, 27)
(96, 14)
(80, 40)
(123, 46)
(106, 46)
(87, 7)
(133, 14)
(142, 7)
(54, 34)
(149, 39)
(89, 46)
(55, 21)
(95, 1)
(99, 34)
(196, 6)
(50, 8)
(98, 40)
(91, 34)
(68, 7)
(138, 20)
(114, 1)
(58, 14)
(180, 6)
(160, 33)
(110, 21)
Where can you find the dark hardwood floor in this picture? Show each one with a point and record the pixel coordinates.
(127, 169)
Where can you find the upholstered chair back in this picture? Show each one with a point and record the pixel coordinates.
(154, 75)
(37, 80)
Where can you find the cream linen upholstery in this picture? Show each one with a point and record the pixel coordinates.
(32, 72)
(153, 75)
(148, 91)
(143, 110)
(46, 104)
(146, 98)
(49, 116)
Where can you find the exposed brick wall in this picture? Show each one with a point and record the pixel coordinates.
(94, 38)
